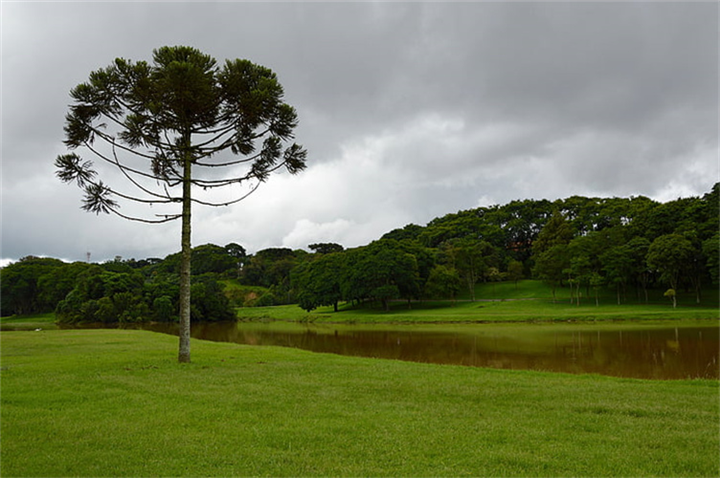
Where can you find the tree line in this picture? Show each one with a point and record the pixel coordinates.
(118, 291)
(627, 245)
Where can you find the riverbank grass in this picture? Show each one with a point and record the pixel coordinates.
(530, 310)
(116, 403)
(527, 301)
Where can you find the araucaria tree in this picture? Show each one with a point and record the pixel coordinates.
(175, 130)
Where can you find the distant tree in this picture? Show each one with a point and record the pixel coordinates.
(522, 221)
(711, 250)
(709, 217)
(585, 253)
(121, 297)
(381, 271)
(617, 263)
(696, 270)
(638, 248)
(515, 271)
(173, 118)
(670, 255)
(209, 303)
(579, 271)
(472, 259)
(318, 282)
(409, 232)
(551, 265)
(56, 284)
(326, 248)
(24, 287)
(443, 283)
(596, 282)
(235, 250)
(557, 231)
(580, 212)
(271, 268)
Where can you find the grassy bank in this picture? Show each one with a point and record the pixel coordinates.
(116, 403)
(529, 300)
(29, 322)
(543, 310)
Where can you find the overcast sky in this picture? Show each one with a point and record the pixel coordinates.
(409, 111)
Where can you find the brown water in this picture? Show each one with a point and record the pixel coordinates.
(664, 350)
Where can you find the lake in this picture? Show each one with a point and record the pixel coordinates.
(661, 350)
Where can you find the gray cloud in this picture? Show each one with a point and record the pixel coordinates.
(409, 111)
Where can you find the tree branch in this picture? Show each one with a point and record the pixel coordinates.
(168, 218)
(228, 203)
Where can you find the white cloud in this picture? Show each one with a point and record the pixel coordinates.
(409, 111)
(307, 232)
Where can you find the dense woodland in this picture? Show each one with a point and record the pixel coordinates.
(627, 245)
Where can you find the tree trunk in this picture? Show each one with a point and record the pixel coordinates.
(186, 254)
(577, 292)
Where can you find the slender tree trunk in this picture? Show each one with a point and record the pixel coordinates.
(186, 254)
(577, 292)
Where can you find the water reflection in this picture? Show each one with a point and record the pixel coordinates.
(667, 351)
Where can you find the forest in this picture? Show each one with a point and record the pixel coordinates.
(586, 244)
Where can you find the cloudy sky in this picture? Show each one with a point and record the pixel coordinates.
(409, 111)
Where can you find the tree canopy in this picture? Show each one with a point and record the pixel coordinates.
(617, 244)
(177, 129)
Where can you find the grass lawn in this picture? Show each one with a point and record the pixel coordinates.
(29, 322)
(530, 300)
(116, 403)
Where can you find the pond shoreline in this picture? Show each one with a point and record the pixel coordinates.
(650, 349)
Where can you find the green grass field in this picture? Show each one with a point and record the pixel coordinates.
(116, 403)
(500, 302)
(29, 322)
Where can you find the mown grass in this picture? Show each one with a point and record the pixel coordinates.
(29, 322)
(116, 403)
(507, 311)
(503, 302)
(606, 296)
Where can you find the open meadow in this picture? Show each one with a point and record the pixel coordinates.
(529, 300)
(117, 403)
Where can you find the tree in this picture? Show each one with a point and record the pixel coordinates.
(711, 250)
(237, 252)
(551, 264)
(326, 248)
(24, 287)
(670, 255)
(557, 231)
(444, 282)
(318, 282)
(380, 271)
(617, 264)
(471, 260)
(579, 271)
(638, 248)
(515, 271)
(174, 121)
